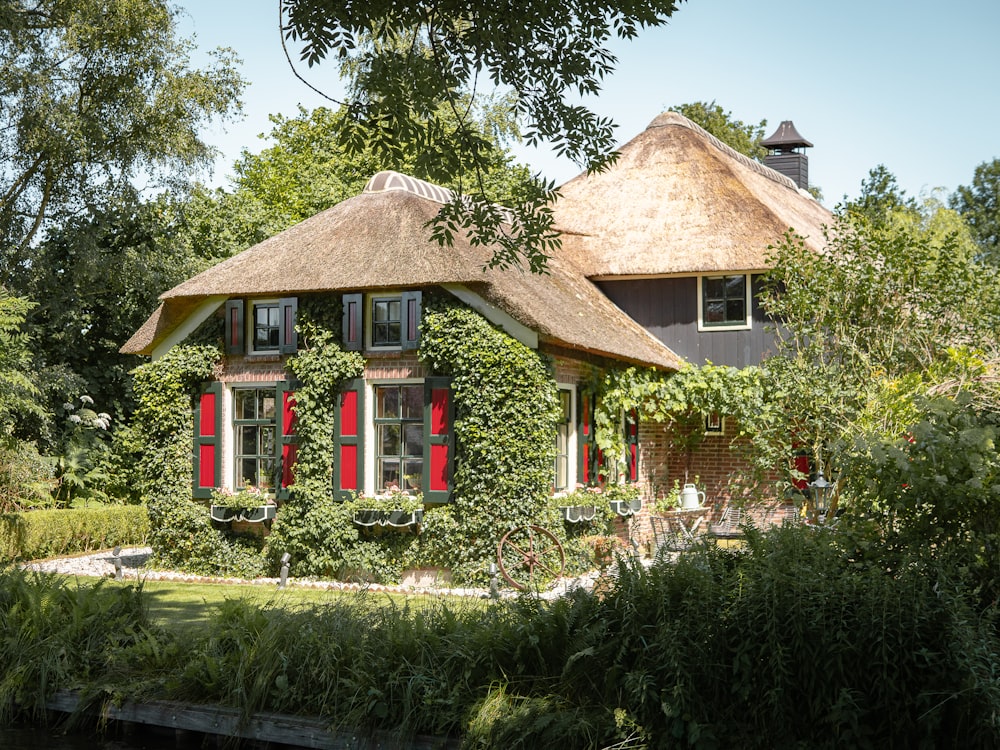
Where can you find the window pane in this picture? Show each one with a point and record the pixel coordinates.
(715, 312)
(412, 397)
(266, 407)
(735, 311)
(381, 311)
(392, 333)
(267, 472)
(388, 439)
(734, 286)
(388, 473)
(266, 441)
(715, 288)
(413, 439)
(247, 440)
(246, 404)
(387, 402)
(247, 472)
(413, 473)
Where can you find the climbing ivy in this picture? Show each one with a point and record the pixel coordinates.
(506, 411)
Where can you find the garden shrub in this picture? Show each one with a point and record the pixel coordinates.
(48, 533)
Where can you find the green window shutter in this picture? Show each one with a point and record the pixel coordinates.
(348, 434)
(207, 449)
(410, 323)
(439, 448)
(353, 322)
(586, 442)
(288, 339)
(235, 327)
(287, 440)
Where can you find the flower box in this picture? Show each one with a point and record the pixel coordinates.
(578, 513)
(626, 508)
(258, 514)
(397, 519)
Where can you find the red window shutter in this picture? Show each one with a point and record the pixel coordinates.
(348, 465)
(632, 443)
(586, 446)
(286, 439)
(353, 323)
(439, 454)
(234, 326)
(207, 463)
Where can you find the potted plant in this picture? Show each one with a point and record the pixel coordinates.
(393, 508)
(579, 505)
(625, 499)
(249, 503)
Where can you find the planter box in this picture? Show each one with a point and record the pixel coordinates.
(398, 519)
(626, 508)
(261, 513)
(578, 513)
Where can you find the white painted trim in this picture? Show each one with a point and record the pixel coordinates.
(368, 318)
(748, 301)
(495, 315)
(250, 325)
(572, 441)
(185, 329)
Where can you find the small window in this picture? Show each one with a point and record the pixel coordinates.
(266, 327)
(255, 427)
(386, 321)
(724, 301)
(399, 436)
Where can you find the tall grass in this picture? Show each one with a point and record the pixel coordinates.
(789, 642)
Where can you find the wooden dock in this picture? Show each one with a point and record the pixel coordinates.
(265, 729)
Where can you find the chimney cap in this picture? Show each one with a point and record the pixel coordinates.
(785, 138)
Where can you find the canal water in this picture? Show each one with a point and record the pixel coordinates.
(44, 738)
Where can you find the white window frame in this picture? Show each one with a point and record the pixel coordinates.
(369, 320)
(250, 326)
(748, 312)
(368, 481)
(571, 442)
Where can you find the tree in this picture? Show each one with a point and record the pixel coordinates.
(979, 205)
(880, 196)
(408, 58)
(95, 94)
(17, 391)
(743, 137)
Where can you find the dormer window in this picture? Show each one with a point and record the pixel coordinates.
(386, 321)
(724, 302)
(266, 327)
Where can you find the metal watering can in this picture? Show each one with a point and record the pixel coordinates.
(691, 497)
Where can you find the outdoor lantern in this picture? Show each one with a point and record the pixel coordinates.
(821, 491)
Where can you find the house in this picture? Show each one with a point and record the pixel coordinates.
(659, 266)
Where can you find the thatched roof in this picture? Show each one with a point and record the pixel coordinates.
(380, 240)
(680, 201)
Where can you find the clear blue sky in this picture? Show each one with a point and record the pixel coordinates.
(911, 84)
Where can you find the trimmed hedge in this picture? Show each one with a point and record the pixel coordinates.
(45, 533)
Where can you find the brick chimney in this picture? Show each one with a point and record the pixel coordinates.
(786, 153)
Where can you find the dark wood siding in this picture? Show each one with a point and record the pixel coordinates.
(668, 308)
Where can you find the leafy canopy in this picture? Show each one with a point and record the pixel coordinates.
(95, 94)
(979, 205)
(408, 58)
(743, 137)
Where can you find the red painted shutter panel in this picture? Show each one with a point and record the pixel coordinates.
(439, 454)
(348, 465)
(632, 443)
(207, 459)
(286, 439)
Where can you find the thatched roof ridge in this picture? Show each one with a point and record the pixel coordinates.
(380, 239)
(679, 201)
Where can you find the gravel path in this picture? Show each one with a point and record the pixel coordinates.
(133, 560)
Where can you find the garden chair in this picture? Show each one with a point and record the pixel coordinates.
(728, 526)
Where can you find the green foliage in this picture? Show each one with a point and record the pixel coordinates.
(506, 407)
(405, 63)
(162, 423)
(25, 478)
(48, 533)
(743, 137)
(979, 205)
(94, 94)
(18, 393)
